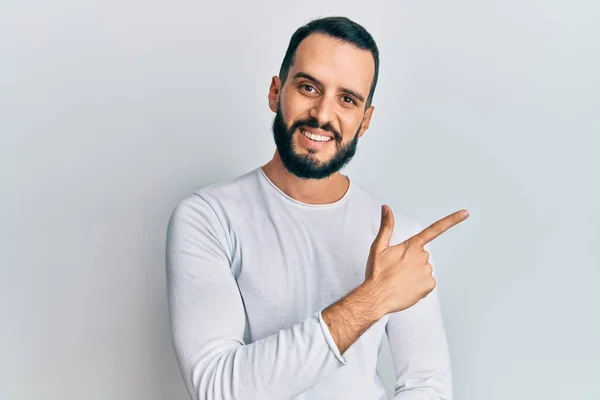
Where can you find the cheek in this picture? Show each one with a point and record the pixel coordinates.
(292, 106)
(350, 125)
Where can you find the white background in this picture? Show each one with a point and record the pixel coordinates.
(111, 112)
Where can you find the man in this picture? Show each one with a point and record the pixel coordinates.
(282, 282)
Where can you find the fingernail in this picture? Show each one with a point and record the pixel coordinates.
(464, 214)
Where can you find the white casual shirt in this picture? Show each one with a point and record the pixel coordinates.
(249, 270)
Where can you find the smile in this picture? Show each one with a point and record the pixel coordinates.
(314, 137)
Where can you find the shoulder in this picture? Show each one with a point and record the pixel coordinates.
(211, 205)
(218, 196)
(232, 190)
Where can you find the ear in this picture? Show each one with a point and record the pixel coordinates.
(274, 91)
(366, 121)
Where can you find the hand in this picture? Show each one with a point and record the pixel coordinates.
(401, 275)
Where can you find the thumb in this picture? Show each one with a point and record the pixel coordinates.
(386, 228)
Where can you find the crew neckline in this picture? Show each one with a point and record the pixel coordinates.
(343, 199)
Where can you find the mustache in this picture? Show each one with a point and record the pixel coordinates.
(313, 123)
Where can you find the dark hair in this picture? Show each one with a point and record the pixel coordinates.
(337, 27)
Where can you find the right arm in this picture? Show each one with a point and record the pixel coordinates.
(396, 278)
(351, 316)
(208, 321)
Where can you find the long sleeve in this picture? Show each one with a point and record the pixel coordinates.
(420, 350)
(208, 321)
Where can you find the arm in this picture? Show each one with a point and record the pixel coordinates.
(208, 321)
(419, 349)
(351, 316)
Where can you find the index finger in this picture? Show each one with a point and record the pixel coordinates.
(437, 228)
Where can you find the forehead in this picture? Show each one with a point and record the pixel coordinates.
(335, 62)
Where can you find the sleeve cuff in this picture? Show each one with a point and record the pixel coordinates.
(330, 341)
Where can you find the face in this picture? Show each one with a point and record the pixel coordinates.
(321, 108)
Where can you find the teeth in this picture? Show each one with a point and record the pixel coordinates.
(315, 137)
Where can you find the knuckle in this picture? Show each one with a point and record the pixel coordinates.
(414, 253)
(432, 283)
(375, 257)
(429, 268)
(414, 241)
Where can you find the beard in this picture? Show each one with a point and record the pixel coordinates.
(306, 166)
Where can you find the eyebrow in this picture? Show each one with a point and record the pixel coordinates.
(312, 78)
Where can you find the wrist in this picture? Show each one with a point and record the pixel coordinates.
(349, 317)
(374, 298)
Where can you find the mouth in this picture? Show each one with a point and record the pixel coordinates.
(314, 137)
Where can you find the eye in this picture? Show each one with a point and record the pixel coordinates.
(308, 88)
(348, 100)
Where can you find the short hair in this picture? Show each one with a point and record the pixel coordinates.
(337, 27)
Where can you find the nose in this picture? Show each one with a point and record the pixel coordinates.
(322, 111)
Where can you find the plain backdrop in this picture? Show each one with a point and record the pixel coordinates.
(111, 112)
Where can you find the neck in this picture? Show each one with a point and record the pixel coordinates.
(309, 191)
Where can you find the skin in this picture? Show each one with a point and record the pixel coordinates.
(327, 87)
(336, 66)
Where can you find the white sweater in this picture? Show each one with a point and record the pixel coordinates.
(249, 270)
